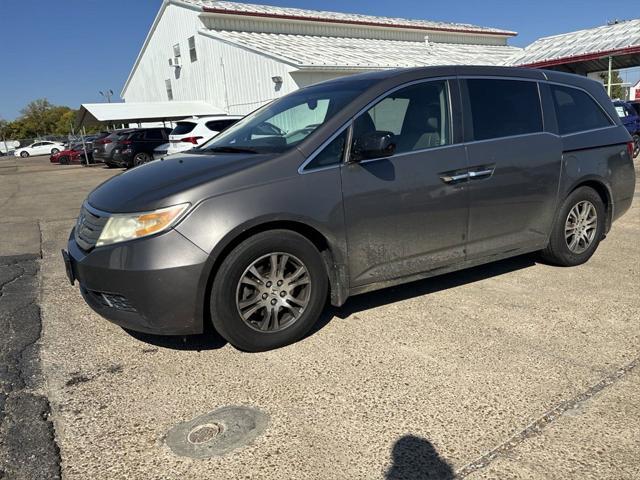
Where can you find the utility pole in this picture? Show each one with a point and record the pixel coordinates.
(610, 75)
(107, 94)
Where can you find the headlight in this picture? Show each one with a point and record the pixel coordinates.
(128, 226)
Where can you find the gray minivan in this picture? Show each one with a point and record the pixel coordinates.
(349, 186)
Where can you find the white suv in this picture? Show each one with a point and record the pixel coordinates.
(191, 132)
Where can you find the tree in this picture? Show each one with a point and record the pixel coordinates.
(617, 90)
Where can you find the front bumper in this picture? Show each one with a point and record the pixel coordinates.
(149, 285)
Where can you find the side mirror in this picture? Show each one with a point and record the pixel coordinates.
(373, 145)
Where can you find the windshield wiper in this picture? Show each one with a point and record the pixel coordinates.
(230, 149)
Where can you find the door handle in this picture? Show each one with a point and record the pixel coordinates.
(454, 178)
(481, 172)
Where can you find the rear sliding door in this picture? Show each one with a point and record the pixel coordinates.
(514, 166)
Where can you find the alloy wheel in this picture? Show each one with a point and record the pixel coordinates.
(581, 226)
(273, 292)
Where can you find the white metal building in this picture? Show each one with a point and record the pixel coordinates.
(238, 56)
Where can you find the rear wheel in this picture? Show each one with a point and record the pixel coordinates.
(24, 154)
(141, 158)
(636, 145)
(269, 291)
(578, 229)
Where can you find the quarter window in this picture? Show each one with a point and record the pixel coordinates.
(504, 108)
(330, 155)
(193, 55)
(416, 116)
(577, 111)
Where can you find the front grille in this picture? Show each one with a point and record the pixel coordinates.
(89, 227)
(111, 300)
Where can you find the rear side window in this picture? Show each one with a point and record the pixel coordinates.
(183, 128)
(154, 135)
(219, 125)
(577, 111)
(503, 108)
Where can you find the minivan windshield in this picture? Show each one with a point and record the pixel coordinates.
(284, 123)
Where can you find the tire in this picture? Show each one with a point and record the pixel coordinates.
(636, 146)
(140, 159)
(558, 251)
(54, 151)
(24, 154)
(64, 160)
(228, 292)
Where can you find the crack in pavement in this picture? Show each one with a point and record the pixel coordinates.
(27, 439)
(549, 417)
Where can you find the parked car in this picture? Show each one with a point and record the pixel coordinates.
(631, 120)
(8, 146)
(636, 105)
(160, 151)
(190, 133)
(136, 148)
(103, 147)
(408, 174)
(75, 154)
(39, 148)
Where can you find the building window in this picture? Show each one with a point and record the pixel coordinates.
(176, 50)
(167, 84)
(192, 49)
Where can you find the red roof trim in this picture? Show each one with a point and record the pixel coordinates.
(355, 22)
(583, 58)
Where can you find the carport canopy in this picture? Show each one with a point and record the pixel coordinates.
(614, 46)
(138, 112)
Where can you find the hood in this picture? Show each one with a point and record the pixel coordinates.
(172, 180)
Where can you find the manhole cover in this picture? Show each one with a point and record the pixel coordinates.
(216, 433)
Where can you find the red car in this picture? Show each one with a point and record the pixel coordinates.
(74, 155)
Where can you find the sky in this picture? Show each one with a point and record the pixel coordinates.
(69, 50)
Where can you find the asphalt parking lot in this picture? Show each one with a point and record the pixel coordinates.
(512, 370)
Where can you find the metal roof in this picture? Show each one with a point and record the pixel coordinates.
(248, 9)
(621, 40)
(142, 112)
(314, 52)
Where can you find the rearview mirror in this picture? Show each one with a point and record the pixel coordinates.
(373, 145)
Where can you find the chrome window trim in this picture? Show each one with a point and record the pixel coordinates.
(349, 123)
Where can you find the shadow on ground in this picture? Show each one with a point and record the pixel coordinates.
(415, 458)
(211, 340)
(435, 284)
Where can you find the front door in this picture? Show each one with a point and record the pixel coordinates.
(406, 213)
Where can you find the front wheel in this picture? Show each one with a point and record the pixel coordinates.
(64, 160)
(54, 151)
(24, 154)
(269, 291)
(578, 229)
(636, 145)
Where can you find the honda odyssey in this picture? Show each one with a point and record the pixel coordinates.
(349, 186)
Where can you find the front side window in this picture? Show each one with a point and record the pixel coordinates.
(577, 111)
(416, 117)
(154, 135)
(286, 122)
(504, 108)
